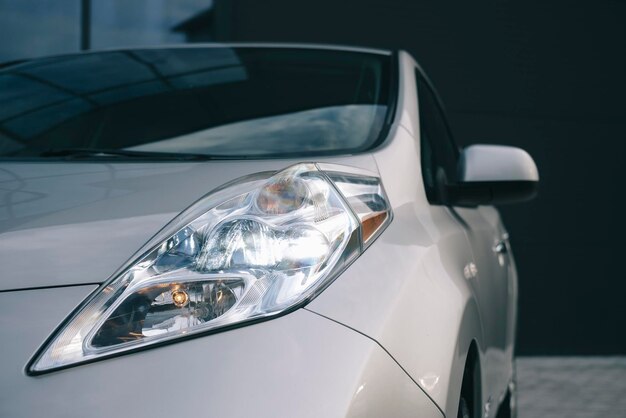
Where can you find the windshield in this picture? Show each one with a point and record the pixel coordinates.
(231, 102)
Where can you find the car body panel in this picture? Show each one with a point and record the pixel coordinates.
(279, 368)
(409, 290)
(401, 318)
(495, 291)
(81, 221)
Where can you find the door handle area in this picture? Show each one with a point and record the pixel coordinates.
(500, 247)
(501, 251)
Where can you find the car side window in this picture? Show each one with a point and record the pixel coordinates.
(439, 153)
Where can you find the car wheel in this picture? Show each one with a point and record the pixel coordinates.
(469, 401)
(507, 408)
(464, 411)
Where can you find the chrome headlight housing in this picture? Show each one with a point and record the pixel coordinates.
(253, 249)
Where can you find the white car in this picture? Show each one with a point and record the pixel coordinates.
(251, 230)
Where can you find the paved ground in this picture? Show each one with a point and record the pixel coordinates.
(571, 387)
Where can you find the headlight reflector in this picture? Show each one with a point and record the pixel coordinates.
(248, 251)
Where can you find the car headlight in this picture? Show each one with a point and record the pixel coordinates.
(253, 249)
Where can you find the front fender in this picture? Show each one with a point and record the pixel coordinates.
(408, 291)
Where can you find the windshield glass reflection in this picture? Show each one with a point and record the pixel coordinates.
(220, 101)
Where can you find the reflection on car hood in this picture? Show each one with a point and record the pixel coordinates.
(74, 223)
(323, 129)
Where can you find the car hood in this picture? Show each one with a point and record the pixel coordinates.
(70, 223)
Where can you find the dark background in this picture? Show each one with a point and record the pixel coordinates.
(547, 76)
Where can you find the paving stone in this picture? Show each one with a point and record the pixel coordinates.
(571, 387)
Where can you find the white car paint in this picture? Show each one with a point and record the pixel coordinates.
(389, 337)
(497, 162)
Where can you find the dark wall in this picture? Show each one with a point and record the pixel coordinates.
(545, 76)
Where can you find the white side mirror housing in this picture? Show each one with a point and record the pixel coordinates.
(497, 163)
(494, 174)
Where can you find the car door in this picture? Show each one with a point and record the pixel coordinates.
(488, 246)
(487, 272)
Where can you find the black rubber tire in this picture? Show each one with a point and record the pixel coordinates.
(506, 409)
(470, 397)
(464, 411)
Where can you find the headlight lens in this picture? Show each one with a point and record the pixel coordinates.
(250, 250)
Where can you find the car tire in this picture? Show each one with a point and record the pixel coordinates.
(464, 411)
(469, 399)
(507, 408)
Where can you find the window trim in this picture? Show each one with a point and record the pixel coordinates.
(420, 75)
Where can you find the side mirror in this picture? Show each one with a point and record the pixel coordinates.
(494, 174)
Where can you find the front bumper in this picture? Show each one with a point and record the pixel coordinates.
(299, 365)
